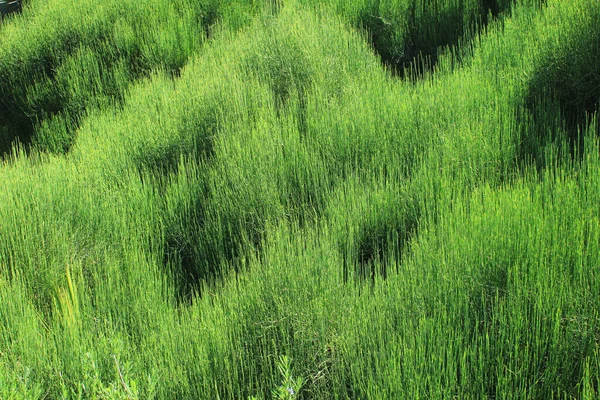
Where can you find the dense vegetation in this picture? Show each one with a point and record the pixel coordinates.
(283, 199)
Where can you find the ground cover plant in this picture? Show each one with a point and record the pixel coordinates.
(275, 200)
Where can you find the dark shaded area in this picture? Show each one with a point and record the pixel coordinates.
(378, 240)
(493, 7)
(181, 236)
(180, 258)
(213, 228)
(488, 286)
(193, 253)
(410, 48)
(198, 247)
(563, 96)
(206, 236)
(11, 133)
(10, 6)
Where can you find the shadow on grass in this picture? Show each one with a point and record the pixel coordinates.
(562, 98)
(412, 51)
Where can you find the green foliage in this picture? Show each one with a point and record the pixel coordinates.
(410, 35)
(51, 70)
(236, 200)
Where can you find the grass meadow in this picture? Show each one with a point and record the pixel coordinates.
(281, 199)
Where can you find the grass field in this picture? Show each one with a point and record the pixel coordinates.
(281, 199)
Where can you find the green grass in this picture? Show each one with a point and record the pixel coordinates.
(232, 199)
(60, 60)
